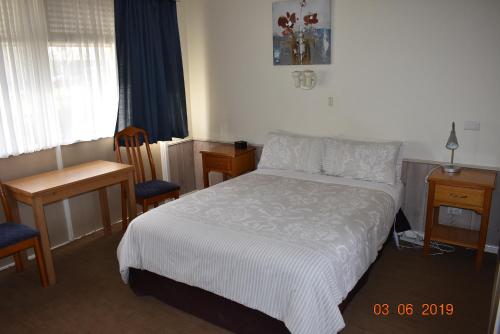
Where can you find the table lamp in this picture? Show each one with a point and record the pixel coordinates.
(452, 144)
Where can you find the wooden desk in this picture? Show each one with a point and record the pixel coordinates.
(470, 189)
(227, 160)
(45, 188)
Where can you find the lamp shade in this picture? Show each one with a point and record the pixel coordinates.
(452, 143)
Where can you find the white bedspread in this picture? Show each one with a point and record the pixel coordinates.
(290, 247)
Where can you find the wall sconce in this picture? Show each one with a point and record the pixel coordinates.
(304, 79)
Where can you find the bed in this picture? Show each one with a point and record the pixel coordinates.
(290, 244)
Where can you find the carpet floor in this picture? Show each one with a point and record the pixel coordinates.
(90, 297)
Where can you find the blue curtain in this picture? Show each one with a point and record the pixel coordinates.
(151, 79)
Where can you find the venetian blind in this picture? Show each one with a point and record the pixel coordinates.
(74, 20)
(58, 76)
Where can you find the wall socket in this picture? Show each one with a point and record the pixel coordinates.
(455, 211)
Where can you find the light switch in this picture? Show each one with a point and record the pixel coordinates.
(472, 125)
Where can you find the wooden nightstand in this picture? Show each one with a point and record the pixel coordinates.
(469, 189)
(227, 160)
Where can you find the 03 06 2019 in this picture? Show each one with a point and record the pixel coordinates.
(423, 310)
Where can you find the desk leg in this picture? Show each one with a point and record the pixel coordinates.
(430, 217)
(131, 197)
(106, 221)
(123, 200)
(44, 237)
(483, 231)
(206, 181)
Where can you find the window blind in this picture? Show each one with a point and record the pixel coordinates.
(58, 75)
(77, 20)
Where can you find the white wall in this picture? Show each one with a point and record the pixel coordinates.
(402, 69)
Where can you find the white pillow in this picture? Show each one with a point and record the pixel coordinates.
(292, 152)
(371, 161)
(399, 159)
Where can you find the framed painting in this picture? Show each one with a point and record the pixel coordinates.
(302, 32)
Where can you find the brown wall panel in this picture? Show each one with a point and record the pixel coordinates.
(85, 209)
(185, 168)
(181, 165)
(414, 200)
(29, 164)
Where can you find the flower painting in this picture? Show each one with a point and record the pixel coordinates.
(301, 32)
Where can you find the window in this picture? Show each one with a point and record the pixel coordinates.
(58, 76)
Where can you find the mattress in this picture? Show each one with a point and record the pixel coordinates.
(289, 244)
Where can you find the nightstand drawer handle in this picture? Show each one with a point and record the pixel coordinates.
(458, 195)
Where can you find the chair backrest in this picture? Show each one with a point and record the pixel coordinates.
(5, 204)
(132, 137)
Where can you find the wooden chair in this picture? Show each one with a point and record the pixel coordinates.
(146, 192)
(15, 238)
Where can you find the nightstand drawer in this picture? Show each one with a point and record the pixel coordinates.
(459, 195)
(218, 163)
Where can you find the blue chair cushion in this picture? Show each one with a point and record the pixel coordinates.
(154, 188)
(12, 233)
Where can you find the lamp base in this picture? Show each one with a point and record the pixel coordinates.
(451, 168)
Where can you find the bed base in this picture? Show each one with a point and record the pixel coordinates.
(211, 307)
(218, 310)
